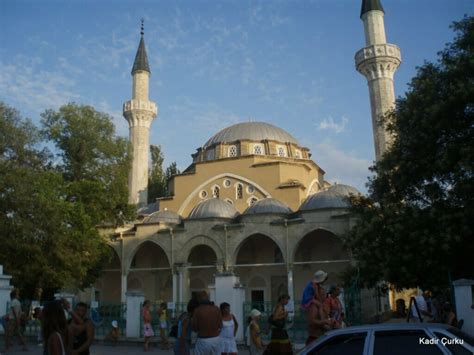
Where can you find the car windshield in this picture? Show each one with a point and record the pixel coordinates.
(460, 334)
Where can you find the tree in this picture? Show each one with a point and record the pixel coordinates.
(415, 228)
(171, 171)
(48, 241)
(49, 210)
(92, 159)
(156, 178)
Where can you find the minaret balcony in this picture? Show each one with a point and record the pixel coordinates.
(376, 51)
(142, 105)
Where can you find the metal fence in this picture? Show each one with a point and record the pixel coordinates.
(101, 316)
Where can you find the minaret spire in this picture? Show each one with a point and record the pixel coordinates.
(378, 62)
(141, 58)
(140, 113)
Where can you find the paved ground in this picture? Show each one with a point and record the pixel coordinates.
(97, 350)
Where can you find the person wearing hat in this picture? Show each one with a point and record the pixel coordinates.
(254, 340)
(314, 290)
(114, 333)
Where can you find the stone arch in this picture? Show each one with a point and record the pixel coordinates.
(133, 253)
(318, 249)
(306, 245)
(149, 263)
(200, 240)
(217, 177)
(202, 255)
(258, 255)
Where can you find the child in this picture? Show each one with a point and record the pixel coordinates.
(147, 329)
(165, 344)
(114, 333)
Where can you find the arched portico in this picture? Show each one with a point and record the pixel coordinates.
(149, 268)
(259, 260)
(319, 249)
(202, 266)
(107, 287)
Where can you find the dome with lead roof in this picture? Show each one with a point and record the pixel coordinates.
(164, 216)
(213, 208)
(253, 131)
(268, 205)
(336, 196)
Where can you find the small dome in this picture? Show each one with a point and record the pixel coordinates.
(164, 216)
(336, 196)
(268, 205)
(254, 131)
(213, 208)
(148, 209)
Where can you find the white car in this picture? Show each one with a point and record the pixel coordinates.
(392, 339)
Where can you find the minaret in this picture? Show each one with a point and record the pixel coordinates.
(378, 62)
(139, 112)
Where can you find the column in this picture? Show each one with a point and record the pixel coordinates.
(183, 283)
(5, 289)
(123, 287)
(175, 285)
(135, 300)
(291, 305)
(463, 301)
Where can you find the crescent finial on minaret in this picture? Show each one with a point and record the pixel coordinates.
(142, 28)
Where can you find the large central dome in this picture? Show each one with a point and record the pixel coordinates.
(254, 131)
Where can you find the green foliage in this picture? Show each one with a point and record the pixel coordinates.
(93, 159)
(49, 212)
(416, 227)
(157, 180)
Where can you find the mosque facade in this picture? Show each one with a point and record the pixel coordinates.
(252, 202)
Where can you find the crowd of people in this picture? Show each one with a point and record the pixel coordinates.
(70, 332)
(63, 331)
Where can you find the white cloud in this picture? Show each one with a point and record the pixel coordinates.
(202, 117)
(331, 125)
(341, 166)
(26, 85)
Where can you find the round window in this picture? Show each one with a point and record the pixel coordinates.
(203, 194)
(227, 183)
(250, 189)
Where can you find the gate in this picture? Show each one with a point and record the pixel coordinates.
(352, 301)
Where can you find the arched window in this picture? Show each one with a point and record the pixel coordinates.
(258, 149)
(233, 151)
(210, 154)
(281, 151)
(251, 201)
(297, 154)
(216, 191)
(239, 191)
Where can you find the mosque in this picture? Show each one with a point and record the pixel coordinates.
(252, 202)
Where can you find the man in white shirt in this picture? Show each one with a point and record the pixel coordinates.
(423, 311)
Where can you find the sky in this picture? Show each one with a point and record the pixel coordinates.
(216, 63)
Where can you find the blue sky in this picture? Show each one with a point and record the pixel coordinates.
(215, 63)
